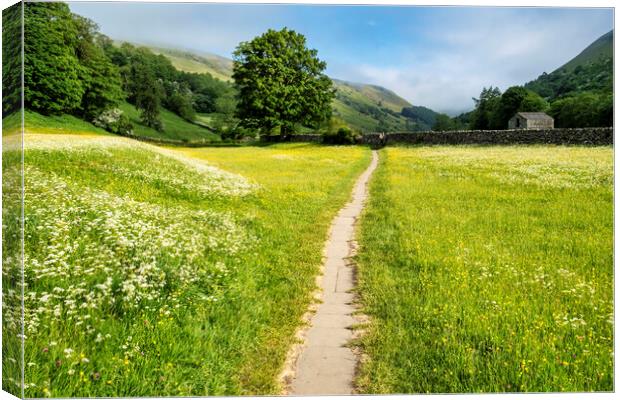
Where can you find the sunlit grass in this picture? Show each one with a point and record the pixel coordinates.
(175, 127)
(489, 269)
(155, 271)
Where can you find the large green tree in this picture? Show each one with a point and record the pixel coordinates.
(443, 122)
(100, 78)
(516, 99)
(281, 83)
(11, 58)
(148, 93)
(486, 106)
(52, 70)
(65, 67)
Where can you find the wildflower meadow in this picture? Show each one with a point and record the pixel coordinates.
(149, 271)
(488, 269)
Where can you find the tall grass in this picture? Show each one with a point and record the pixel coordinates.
(488, 269)
(11, 254)
(153, 271)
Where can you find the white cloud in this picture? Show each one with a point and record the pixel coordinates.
(501, 48)
(187, 26)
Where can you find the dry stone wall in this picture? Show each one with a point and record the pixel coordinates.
(577, 136)
(583, 136)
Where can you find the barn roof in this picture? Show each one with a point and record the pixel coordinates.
(534, 115)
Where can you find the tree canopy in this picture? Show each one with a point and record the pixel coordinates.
(53, 75)
(486, 106)
(11, 59)
(583, 110)
(516, 99)
(494, 109)
(443, 122)
(281, 83)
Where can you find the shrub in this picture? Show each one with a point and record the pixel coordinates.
(113, 120)
(231, 130)
(343, 135)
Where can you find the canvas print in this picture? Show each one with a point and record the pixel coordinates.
(209, 199)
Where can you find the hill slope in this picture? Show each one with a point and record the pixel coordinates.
(364, 107)
(175, 127)
(590, 70)
(370, 107)
(602, 47)
(219, 67)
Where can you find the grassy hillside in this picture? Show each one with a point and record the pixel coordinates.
(59, 124)
(363, 107)
(12, 123)
(371, 94)
(218, 67)
(175, 127)
(590, 70)
(370, 107)
(601, 48)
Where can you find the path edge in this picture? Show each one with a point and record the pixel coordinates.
(288, 372)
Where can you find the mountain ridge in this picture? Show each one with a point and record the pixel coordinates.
(590, 70)
(600, 48)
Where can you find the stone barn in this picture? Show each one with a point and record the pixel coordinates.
(530, 120)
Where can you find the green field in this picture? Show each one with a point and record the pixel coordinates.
(57, 124)
(154, 271)
(175, 127)
(488, 269)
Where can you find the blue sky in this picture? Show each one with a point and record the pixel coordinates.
(439, 57)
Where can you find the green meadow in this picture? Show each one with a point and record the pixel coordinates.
(488, 269)
(157, 272)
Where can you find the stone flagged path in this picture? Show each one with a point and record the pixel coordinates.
(326, 366)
